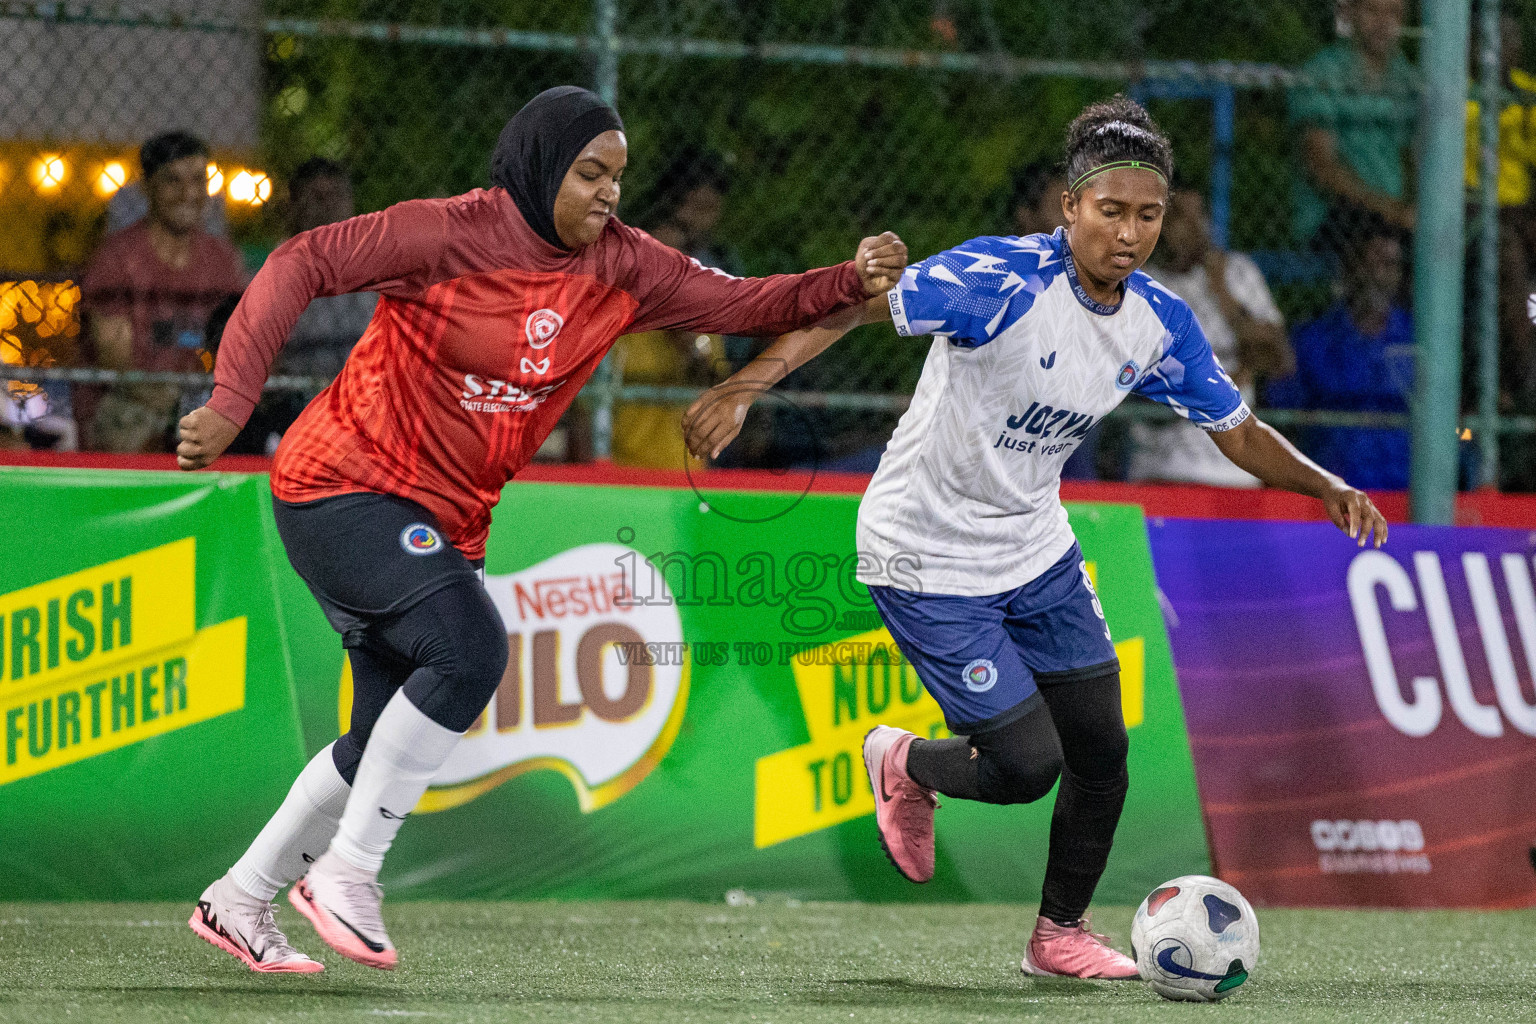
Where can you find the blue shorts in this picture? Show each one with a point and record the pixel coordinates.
(984, 659)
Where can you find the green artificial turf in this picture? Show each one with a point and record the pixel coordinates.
(777, 960)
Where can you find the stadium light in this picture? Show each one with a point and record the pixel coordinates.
(250, 187)
(112, 177)
(215, 179)
(49, 172)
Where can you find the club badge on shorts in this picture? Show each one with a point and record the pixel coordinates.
(980, 675)
(420, 539)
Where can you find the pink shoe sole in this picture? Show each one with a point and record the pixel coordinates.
(336, 934)
(218, 941)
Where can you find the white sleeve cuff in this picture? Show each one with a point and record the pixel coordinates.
(898, 313)
(1233, 419)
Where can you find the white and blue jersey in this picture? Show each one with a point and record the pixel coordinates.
(1022, 365)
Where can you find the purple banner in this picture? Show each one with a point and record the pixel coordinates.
(1363, 722)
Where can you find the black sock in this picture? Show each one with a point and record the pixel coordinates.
(948, 766)
(1082, 832)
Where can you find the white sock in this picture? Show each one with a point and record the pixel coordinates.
(404, 751)
(302, 828)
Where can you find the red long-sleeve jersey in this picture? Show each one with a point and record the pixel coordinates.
(483, 334)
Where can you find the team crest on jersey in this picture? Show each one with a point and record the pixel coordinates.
(542, 327)
(1126, 378)
(420, 539)
(980, 675)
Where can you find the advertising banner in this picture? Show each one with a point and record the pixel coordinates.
(1363, 721)
(690, 680)
(145, 694)
(689, 685)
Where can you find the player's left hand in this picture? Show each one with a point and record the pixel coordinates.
(715, 417)
(880, 261)
(204, 436)
(1352, 511)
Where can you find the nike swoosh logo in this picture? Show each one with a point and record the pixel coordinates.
(389, 815)
(377, 947)
(884, 796)
(258, 957)
(1166, 962)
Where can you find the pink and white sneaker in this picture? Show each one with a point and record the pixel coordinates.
(244, 926)
(1056, 951)
(903, 809)
(344, 904)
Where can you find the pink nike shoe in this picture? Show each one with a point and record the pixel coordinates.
(903, 809)
(1055, 951)
(244, 926)
(343, 903)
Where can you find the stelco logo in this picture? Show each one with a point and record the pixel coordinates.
(481, 395)
(1373, 572)
(569, 701)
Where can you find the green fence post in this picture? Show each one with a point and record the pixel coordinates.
(1438, 259)
(603, 386)
(1489, 109)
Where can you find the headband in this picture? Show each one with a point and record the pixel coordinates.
(1134, 165)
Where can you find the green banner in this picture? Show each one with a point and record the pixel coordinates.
(145, 692)
(688, 687)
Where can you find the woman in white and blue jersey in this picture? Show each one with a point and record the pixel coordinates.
(963, 540)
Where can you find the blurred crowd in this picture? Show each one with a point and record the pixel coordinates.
(165, 277)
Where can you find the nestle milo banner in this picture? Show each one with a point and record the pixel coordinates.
(1363, 721)
(145, 695)
(689, 681)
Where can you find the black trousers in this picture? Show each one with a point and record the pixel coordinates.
(412, 611)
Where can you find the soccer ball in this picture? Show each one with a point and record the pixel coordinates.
(1195, 939)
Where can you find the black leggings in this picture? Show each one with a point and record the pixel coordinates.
(1078, 735)
(447, 651)
(411, 610)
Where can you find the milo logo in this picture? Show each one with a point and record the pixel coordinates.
(570, 700)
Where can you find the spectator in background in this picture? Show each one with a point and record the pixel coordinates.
(1356, 120)
(1358, 357)
(1232, 302)
(148, 292)
(650, 434)
(1517, 174)
(130, 204)
(1036, 201)
(320, 192)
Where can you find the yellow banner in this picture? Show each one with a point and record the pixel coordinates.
(151, 693)
(846, 689)
(78, 624)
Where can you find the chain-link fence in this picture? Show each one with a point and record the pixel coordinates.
(767, 136)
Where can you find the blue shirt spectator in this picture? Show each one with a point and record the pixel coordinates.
(1357, 357)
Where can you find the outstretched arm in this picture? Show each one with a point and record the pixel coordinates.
(677, 293)
(1260, 449)
(370, 252)
(715, 417)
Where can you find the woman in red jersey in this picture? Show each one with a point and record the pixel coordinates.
(494, 307)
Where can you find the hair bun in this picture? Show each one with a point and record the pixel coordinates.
(1116, 129)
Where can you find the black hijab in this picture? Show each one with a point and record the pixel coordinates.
(539, 145)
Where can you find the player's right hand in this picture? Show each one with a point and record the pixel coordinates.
(204, 436)
(880, 261)
(715, 417)
(1352, 511)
